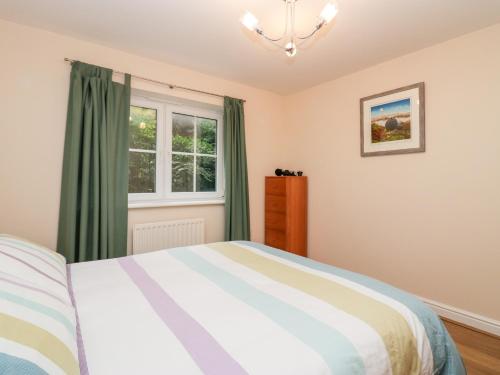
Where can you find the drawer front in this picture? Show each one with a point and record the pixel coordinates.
(275, 186)
(276, 203)
(275, 220)
(276, 239)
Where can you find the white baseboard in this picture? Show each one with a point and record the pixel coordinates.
(465, 317)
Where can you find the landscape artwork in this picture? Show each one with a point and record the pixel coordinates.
(391, 121)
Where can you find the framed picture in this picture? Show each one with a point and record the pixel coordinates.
(393, 122)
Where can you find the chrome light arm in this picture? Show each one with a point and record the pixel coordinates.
(289, 8)
(261, 33)
(316, 29)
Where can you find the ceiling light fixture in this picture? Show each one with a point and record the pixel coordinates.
(290, 37)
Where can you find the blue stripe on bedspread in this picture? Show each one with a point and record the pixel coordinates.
(447, 361)
(317, 335)
(14, 365)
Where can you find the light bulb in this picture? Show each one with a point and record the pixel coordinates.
(291, 49)
(249, 21)
(329, 12)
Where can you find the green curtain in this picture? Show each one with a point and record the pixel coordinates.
(237, 223)
(93, 209)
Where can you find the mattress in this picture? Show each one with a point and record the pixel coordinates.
(245, 308)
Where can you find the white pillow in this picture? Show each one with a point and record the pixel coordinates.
(37, 318)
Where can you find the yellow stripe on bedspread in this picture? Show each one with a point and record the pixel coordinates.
(392, 327)
(37, 338)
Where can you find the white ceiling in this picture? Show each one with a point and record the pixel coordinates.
(205, 35)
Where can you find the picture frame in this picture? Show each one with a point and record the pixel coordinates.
(393, 122)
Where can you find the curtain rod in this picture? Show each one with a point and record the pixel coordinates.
(170, 85)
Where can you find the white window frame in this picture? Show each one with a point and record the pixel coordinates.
(163, 195)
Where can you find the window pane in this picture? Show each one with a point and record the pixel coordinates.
(141, 172)
(182, 133)
(206, 173)
(206, 134)
(142, 128)
(182, 173)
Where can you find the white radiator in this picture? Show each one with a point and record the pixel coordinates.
(167, 234)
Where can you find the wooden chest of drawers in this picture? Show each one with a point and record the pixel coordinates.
(286, 213)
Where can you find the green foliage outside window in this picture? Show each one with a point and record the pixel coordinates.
(142, 165)
(142, 136)
(206, 143)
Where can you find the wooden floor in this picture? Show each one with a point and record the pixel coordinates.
(480, 351)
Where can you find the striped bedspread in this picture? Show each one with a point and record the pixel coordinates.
(243, 308)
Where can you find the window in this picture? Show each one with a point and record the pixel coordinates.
(175, 154)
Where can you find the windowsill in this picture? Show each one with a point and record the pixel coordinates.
(177, 203)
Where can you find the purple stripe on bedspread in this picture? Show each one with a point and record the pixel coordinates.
(82, 358)
(33, 268)
(33, 288)
(39, 258)
(203, 348)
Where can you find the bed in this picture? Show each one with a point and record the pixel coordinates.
(224, 308)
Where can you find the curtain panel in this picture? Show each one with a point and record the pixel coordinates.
(237, 213)
(94, 190)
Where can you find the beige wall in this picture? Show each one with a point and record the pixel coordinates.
(34, 83)
(429, 222)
